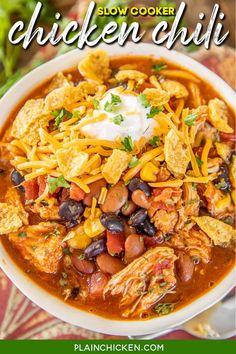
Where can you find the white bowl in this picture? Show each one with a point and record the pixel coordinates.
(45, 300)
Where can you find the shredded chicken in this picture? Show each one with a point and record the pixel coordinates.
(144, 281)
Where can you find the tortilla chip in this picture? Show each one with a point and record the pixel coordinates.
(174, 88)
(115, 165)
(176, 154)
(125, 75)
(30, 118)
(10, 219)
(220, 233)
(59, 80)
(156, 96)
(218, 115)
(95, 66)
(232, 171)
(71, 160)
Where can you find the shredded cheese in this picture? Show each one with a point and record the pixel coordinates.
(180, 74)
(204, 156)
(80, 184)
(102, 196)
(92, 179)
(93, 208)
(170, 183)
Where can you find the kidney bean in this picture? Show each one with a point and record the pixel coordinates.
(97, 283)
(137, 183)
(95, 248)
(95, 189)
(140, 199)
(112, 222)
(109, 264)
(185, 266)
(128, 208)
(17, 179)
(83, 265)
(147, 228)
(138, 217)
(153, 241)
(134, 247)
(71, 210)
(117, 196)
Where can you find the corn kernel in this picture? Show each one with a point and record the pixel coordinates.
(93, 228)
(80, 240)
(148, 172)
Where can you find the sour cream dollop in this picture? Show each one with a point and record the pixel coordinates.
(133, 121)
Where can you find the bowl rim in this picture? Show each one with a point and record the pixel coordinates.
(48, 301)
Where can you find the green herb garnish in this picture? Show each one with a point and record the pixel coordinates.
(134, 162)
(154, 141)
(190, 119)
(54, 183)
(143, 100)
(164, 308)
(199, 161)
(128, 143)
(22, 234)
(228, 220)
(66, 251)
(154, 111)
(159, 67)
(81, 257)
(60, 115)
(118, 119)
(95, 103)
(76, 114)
(111, 106)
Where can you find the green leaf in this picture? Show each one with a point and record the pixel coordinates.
(164, 308)
(199, 161)
(60, 115)
(111, 106)
(159, 67)
(118, 119)
(228, 220)
(54, 183)
(143, 100)
(95, 103)
(128, 143)
(76, 114)
(134, 162)
(81, 256)
(190, 119)
(154, 111)
(22, 234)
(154, 141)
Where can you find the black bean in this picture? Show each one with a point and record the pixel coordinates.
(137, 183)
(112, 222)
(71, 210)
(138, 217)
(95, 248)
(147, 228)
(17, 179)
(222, 182)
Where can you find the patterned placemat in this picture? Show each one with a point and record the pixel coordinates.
(19, 317)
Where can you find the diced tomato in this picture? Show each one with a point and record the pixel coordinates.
(141, 88)
(31, 189)
(76, 192)
(65, 194)
(227, 137)
(115, 242)
(42, 182)
(158, 268)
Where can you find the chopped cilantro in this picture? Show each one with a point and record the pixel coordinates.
(164, 308)
(190, 119)
(110, 106)
(199, 161)
(154, 111)
(95, 103)
(64, 275)
(228, 220)
(81, 257)
(54, 183)
(154, 141)
(134, 162)
(66, 251)
(159, 67)
(128, 143)
(60, 115)
(162, 284)
(22, 234)
(76, 114)
(143, 100)
(118, 119)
